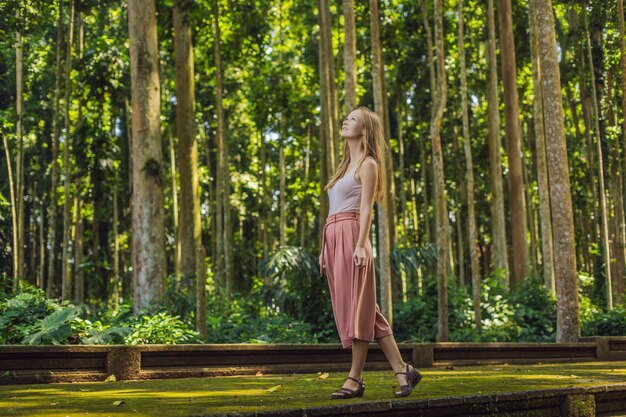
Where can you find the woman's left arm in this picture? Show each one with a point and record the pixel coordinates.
(369, 173)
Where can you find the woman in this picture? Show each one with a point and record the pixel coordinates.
(347, 253)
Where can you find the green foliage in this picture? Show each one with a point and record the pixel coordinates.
(98, 333)
(21, 312)
(527, 314)
(54, 329)
(610, 323)
(160, 328)
(248, 319)
(294, 287)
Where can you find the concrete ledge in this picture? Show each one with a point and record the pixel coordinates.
(33, 364)
(567, 402)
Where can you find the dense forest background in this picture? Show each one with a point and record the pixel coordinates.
(148, 146)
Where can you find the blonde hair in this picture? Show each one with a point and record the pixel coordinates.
(374, 146)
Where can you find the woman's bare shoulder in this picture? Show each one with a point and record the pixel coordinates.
(370, 163)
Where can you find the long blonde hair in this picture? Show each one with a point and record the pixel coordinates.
(374, 146)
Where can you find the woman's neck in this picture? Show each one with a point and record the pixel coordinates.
(356, 149)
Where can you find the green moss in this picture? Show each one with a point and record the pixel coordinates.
(193, 396)
(579, 406)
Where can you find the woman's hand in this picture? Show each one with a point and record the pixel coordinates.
(359, 256)
(320, 261)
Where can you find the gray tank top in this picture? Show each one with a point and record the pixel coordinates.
(345, 194)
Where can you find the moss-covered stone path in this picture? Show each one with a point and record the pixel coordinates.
(197, 396)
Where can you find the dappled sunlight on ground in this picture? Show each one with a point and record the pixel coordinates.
(192, 396)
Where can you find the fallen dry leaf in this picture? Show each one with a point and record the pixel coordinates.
(259, 373)
(110, 378)
(119, 403)
(55, 403)
(324, 375)
(274, 388)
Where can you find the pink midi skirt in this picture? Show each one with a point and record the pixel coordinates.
(352, 287)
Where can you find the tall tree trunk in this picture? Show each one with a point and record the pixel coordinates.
(349, 55)
(223, 163)
(414, 217)
(517, 202)
(305, 185)
(282, 201)
(622, 38)
(440, 192)
(327, 84)
(66, 276)
(177, 231)
(148, 232)
(19, 259)
(116, 281)
(326, 126)
(498, 228)
(190, 225)
(54, 182)
(201, 321)
(568, 326)
(425, 166)
(403, 203)
(79, 282)
(13, 211)
(42, 246)
(547, 251)
(617, 235)
(603, 203)
(469, 178)
(213, 201)
(384, 211)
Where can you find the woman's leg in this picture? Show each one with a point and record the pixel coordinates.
(359, 354)
(390, 348)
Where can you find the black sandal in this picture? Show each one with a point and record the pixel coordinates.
(413, 378)
(346, 393)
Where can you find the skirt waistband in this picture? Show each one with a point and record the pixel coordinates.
(342, 215)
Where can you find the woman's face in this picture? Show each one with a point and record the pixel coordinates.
(352, 126)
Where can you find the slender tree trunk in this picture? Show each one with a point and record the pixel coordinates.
(349, 55)
(403, 203)
(223, 163)
(568, 327)
(54, 182)
(440, 192)
(201, 321)
(13, 211)
(622, 38)
(327, 84)
(79, 283)
(414, 217)
(547, 251)
(617, 236)
(177, 231)
(42, 247)
(148, 232)
(425, 166)
(305, 185)
(19, 259)
(383, 230)
(190, 224)
(498, 228)
(517, 202)
(116, 281)
(282, 201)
(66, 276)
(213, 202)
(469, 178)
(603, 203)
